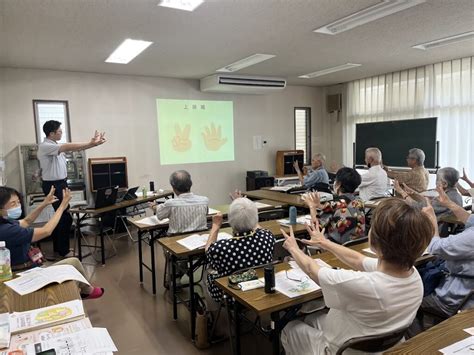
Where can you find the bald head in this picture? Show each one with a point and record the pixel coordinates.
(181, 181)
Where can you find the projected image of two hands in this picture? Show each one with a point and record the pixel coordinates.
(212, 138)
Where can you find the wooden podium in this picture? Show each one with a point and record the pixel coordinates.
(285, 160)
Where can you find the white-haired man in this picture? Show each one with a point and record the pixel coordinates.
(418, 177)
(318, 174)
(375, 182)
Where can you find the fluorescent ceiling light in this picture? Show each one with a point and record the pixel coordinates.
(246, 62)
(369, 14)
(128, 50)
(186, 5)
(445, 41)
(329, 70)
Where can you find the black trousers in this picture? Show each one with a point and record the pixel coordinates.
(62, 231)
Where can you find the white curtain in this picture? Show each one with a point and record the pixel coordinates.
(444, 90)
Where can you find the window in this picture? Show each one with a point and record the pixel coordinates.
(303, 131)
(45, 110)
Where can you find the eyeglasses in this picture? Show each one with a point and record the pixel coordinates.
(302, 279)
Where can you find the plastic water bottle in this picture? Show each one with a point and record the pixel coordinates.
(5, 266)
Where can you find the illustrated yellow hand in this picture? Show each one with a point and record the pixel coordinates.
(181, 141)
(212, 137)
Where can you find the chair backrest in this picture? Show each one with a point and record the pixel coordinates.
(276, 213)
(374, 343)
(321, 186)
(355, 241)
(279, 252)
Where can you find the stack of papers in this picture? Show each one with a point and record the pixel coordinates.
(286, 284)
(462, 347)
(196, 241)
(37, 278)
(4, 330)
(153, 221)
(212, 211)
(284, 188)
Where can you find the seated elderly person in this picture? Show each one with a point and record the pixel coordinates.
(418, 177)
(187, 212)
(378, 295)
(375, 182)
(317, 177)
(447, 178)
(458, 252)
(250, 245)
(344, 217)
(18, 235)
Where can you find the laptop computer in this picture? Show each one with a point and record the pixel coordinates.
(129, 195)
(104, 197)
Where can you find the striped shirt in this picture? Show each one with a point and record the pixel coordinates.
(187, 213)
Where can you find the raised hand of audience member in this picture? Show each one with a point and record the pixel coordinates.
(317, 235)
(442, 197)
(67, 196)
(290, 240)
(296, 166)
(429, 212)
(236, 194)
(50, 198)
(312, 199)
(217, 220)
(465, 178)
(399, 189)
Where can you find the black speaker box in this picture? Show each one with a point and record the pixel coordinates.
(259, 182)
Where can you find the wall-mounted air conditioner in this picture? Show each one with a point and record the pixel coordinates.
(241, 84)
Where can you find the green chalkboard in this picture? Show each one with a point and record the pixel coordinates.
(395, 138)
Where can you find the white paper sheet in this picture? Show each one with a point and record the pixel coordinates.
(153, 221)
(291, 288)
(195, 241)
(469, 330)
(85, 342)
(4, 330)
(212, 211)
(320, 262)
(462, 347)
(40, 277)
(299, 220)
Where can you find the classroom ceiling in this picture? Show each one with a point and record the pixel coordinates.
(78, 35)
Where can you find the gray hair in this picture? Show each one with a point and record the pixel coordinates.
(320, 156)
(181, 181)
(448, 175)
(374, 153)
(243, 215)
(418, 155)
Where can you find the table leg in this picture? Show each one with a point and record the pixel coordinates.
(229, 323)
(237, 326)
(275, 318)
(102, 242)
(140, 256)
(78, 233)
(153, 271)
(173, 286)
(192, 302)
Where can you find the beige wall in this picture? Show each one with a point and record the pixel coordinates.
(124, 107)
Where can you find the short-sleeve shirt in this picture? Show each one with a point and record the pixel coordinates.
(367, 303)
(17, 240)
(52, 162)
(314, 177)
(230, 255)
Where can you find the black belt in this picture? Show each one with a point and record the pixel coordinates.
(55, 181)
(24, 266)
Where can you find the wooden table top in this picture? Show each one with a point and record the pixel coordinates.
(438, 337)
(171, 243)
(50, 295)
(224, 209)
(264, 303)
(290, 199)
(122, 204)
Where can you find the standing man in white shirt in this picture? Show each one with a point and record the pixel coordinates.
(375, 182)
(54, 173)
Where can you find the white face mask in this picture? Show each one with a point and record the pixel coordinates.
(14, 213)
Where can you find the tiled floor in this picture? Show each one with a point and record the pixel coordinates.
(139, 322)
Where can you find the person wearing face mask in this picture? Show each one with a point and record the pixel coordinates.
(446, 179)
(18, 234)
(343, 218)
